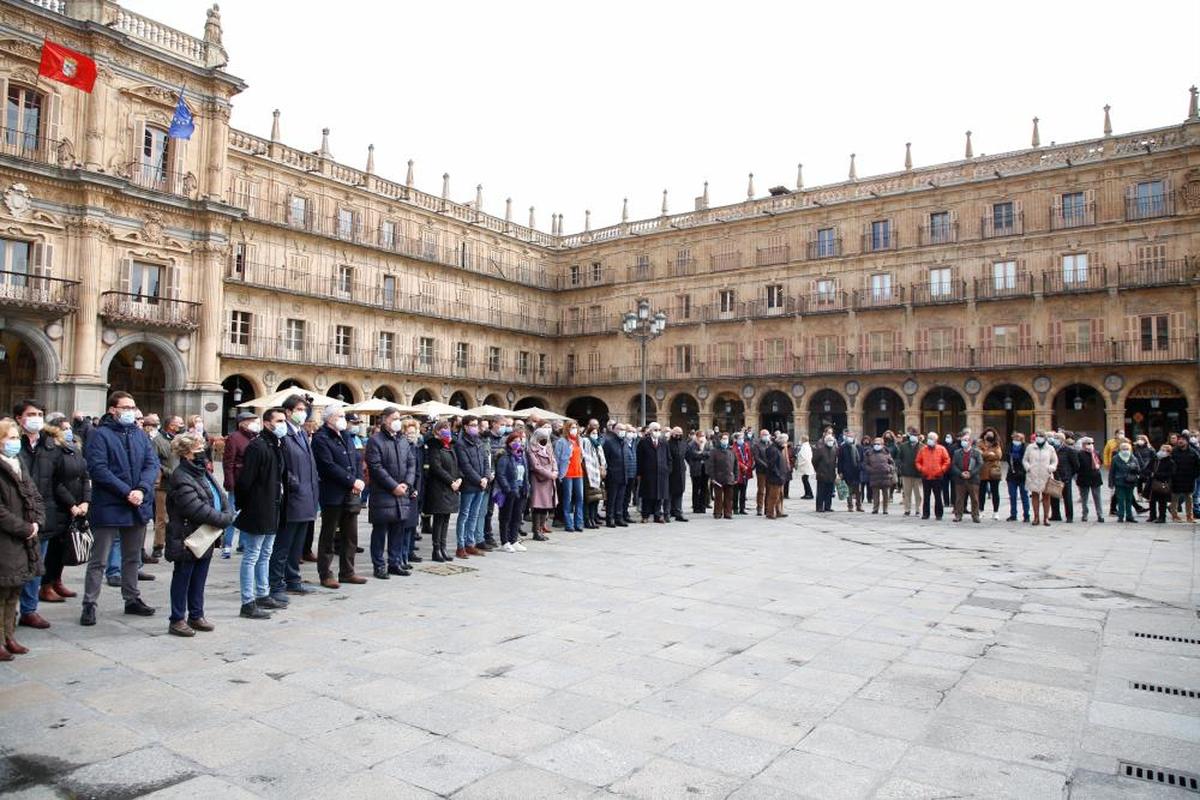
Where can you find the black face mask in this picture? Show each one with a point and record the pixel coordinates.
(200, 459)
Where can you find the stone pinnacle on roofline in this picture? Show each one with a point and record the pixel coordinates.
(799, 176)
(853, 171)
(408, 179)
(664, 205)
(750, 188)
(969, 152)
(1194, 103)
(325, 144)
(908, 155)
(1107, 120)
(1037, 138)
(370, 159)
(625, 209)
(275, 125)
(445, 185)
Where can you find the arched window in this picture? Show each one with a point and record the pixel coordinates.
(22, 119)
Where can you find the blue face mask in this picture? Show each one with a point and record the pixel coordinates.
(127, 417)
(505, 430)
(280, 429)
(69, 435)
(12, 447)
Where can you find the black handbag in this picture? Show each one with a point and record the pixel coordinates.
(79, 543)
(353, 504)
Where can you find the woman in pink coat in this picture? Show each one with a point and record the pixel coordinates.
(544, 469)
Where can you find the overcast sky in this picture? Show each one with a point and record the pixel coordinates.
(573, 106)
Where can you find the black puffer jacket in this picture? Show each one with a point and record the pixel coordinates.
(441, 470)
(72, 486)
(259, 488)
(189, 505)
(20, 507)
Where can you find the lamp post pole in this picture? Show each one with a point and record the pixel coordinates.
(643, 327)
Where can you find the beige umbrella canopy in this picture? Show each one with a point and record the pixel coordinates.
(376, 406)
(488, 411)
(276, 399)
(540, 413)
(433, 408)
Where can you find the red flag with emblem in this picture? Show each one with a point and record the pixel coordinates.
(67, 66)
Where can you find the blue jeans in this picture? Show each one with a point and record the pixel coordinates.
(572, 489)
(285, 556)
(187, 588)
(386, 534)
(1196, 498)
(256, 565)
(230, 531)
(469, 527)
(1014, 489)
(29, 592)
(407, 542)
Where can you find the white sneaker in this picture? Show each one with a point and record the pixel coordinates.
(520, 548)
(508, 548)
(995, 515)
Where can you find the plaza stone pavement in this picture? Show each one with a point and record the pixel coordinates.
(819, 656)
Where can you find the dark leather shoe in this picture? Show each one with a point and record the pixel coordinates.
(473, 551)
(88, 615)
(138, 608)
(310, 557)
(47, 595)
(148, 558)
(271, 602)
(330, 583)
(180, 628)
(395, 570)
(113, 580)
(381, 574)
(416, 559)
(622, 523)
(202, 625)
(145, 576)
(253, 611)
(34, 620)
(353, 579)
(15, 647)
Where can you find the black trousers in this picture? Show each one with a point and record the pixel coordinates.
(614, 501)
(1064, 510)
(339, 538)
(739, 497)
(932, 487)
(992, 488)
(655, 506)
(677, 503)
(824, 495)
(699, 494)
(808, 492)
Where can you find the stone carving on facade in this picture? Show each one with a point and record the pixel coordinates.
(270, 378)
(64, 154)
(152, 228)
(159, 95)
(21, 49)
(16, 200)
(1190, 192)
(190, 185)
(212, 25)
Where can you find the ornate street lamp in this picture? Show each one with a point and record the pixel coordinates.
(640, 326)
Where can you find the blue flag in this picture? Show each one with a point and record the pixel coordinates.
(181, 124)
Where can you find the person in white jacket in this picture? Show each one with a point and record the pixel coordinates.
(1040, 462)
(804, 465)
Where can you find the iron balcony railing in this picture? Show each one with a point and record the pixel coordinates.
(766, 256)
(946, 233)
(1149, 207)
(32, 147)
(639, 272)
(1156, 273)
(149, 312)
(1004, 287)
(683, 267)
(719, 262)
(823, 248)
(38, 293)
(891, 297)
(991, 226)
(148, 176)
(1063, 281)
(1076, 216)
(873, 242)
(825, 302)
(935, 292)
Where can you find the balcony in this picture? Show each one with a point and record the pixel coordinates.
(1073, 217)
(1182, 349)
(993, 227)
(935, 293)
(1150, 207)
(584, 278)
(719, 262)
(1005, 356)
(824, 363)
(1156, 273)
(825, 303)
(941, 358)
(881, 361)
(823, 248)
(767, 256)
(891, 297)
(939, 234)
(123, 308)
(639, 272)
(1004, 287)
(773, 307)
(55, 296)
(879, 243)
(150, 177)
(1089, 279)
(27, 147)
(683, 267)
(587, 326)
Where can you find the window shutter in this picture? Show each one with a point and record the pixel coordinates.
(309, 210)
(958, 338)
(416, 352)
(42, 257)
(758, 354)
(123, 275)
(139, 142)
(986, 339)
(282, 330)
(1176, 330)
(54, 125)
(1025, 334)
(179, 163)
(1097, 329)
(172, 281)
(1055, 335)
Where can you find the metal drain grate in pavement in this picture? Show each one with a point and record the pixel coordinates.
(1171, 690)
(1162, 637)
(1167, 777)
(446, 569)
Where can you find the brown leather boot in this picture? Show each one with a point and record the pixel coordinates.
(474, 551)
(14, 647)
(61, 590)
(460, 553)
(47, 595)
(330, 583)
(4, 654)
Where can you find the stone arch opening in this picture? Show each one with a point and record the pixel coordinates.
(883, 410)
(384, 392)
(635, 409)
(150, 369)
(581, 409)
(1009, 409)
(342, 392)
(531, 402)
(826, 409)
(423, 396)
(1080, 408)
(685, 412)
(235, 389)
(461, 400)
(1155, 409)
(776, 413)
(729, 412)
(943, 410)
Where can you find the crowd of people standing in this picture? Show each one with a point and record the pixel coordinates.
(64, 483)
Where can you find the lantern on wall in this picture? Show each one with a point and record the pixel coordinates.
(237, 395)
(138, 362)
(883, 404)
(941, 404)
(827, 406)
(1008, 402)
(1078, 403)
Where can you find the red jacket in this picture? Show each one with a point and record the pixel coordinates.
(235, 454)
(932, 462)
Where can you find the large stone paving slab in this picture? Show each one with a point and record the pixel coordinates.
(832, 656)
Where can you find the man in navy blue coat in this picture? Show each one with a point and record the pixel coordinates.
(392, 464)
(124, 468)
(614, 480)
(299, 504)
(339, 469)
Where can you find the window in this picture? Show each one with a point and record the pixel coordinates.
(1004, 276)
(1074, 210)
(683, 260)
(1150, 199)
(593, 361)
(881, 234)
(595, 317)
(387, 234)
(1151, 256)
(1003, 217)
(881, 286)
(386, 348)
(775, 351)
(826, 243)
(345, 223)
(239, 327)
(683, 358)
(541, 365)
(879, 344)
(826, 348)
(152, 161)
(428, 296)
(570, 365)
(298, 211)
(1075, 268)
(727, 355)
(684, 306)
(575, 274)
(293, 335)
(344, 282)
(826, 291)
(522, 362)
(493, 359)
(389, 291)
(597, 272)
(727, 299)
(425, 351)
(462, 355)
(1004, 337)
(939, 282)
(343, 340)
(1155, 332)
(775, 295)
(145, 282)
(22, 118)
(239, 260)
(15, 260)
(574, 319)
(1077, 337)
(941, 340)
(429, 243)
(642, 266)
(939, 226)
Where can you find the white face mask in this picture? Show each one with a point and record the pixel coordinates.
(877, 447)
(932, 440)
(254, 427)
(35, 425)
(620, 434)
(654, 435)
(395, 425)
(830, 441)
(340, 424)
